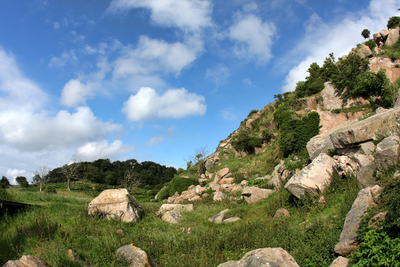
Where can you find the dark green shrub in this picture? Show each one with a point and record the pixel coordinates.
(49, 189)
(371, 44)
(365, 33)
(314, 82)
(4, 182)
(4, 195)
(244, 142)
(177, 184)
(393, 22)
(254, 111)
(21, 180)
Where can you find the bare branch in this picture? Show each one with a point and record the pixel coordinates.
(41, 175)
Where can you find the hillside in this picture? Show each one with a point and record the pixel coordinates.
(306, 174)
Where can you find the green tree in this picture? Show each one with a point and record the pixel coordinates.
(393, 22)
(4, 182)
(70, 172)
(41, 175)
(365, 33)
(21, 180)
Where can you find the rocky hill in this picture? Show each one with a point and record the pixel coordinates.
(347, 126)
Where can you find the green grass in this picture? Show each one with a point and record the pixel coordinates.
(61, 222)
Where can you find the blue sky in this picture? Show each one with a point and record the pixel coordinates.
(155, 79)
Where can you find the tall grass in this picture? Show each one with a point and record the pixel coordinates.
(58, 224)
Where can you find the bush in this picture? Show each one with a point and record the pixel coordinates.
(4, 195)
(314, 82)
(244, 142)
(177, 184)
(21, 180)
(254, 111)
(49, 189)
(393, 22)
(371, 44)
(365, 33)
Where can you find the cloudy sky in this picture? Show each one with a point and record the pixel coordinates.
(155, 79)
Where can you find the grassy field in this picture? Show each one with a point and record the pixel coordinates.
(60, 222)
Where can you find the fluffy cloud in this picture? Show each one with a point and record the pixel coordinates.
(153, 55)
(66, 57)
(26, 126)
(174, 103)
(75, 92)
(337, 36)
(189, 15)
(101, 150)
(253, 38)
(155, 141)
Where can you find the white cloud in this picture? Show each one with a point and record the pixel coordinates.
(153, 55)
(66, 57)
(189, 15)
(174, 103)
(338, 36)
(228, 114)
(218, 75)
(253, 38)
(75, 93)
(56, 25)
(26, 126)
(14, 173)
(247, 82)
(101, 150)
(155, 141)
(76, 38)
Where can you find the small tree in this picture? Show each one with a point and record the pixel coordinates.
(365, 33)
(21, 180)
(131, 179)
(4, 182)
(41, 175)
(70, 172)
(393, 22)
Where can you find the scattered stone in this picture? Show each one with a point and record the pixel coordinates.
(226, 156)
(376, 191)
(314, 178)
(209, 164)
(274, 257)
(119, 231)
(178, 207)
(117, 204)
(243, 183)
(344, 165)
(26, 261)
(219, 196)
(276, 181)
(322, 200)
(135, 256)
(226, 181)
(340, 262)
(281, 213)
(221, 174)
(252, 194)
(387, 151)
(218, 218)
(76, 259)
(348, 237)
(172, 216)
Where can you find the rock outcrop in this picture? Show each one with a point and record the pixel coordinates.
(117, 204)
(314, 178)
(387, 151)
(348, 238)
(135, 257)
(274, 257)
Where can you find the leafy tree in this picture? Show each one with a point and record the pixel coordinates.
(21, 180)
(70, 172)
(365, 33)
(314, 82)
(4, 182)
(393, 22)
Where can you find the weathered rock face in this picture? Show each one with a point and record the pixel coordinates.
(117, 204)
(329, 120)
(219, 196)
(135, 256)
(344, 165)
(393, 36)
(274, 257)
(26, 261)
(313, 178)
(332, 98)
(209, 164)
(221, 174)
(365, 176)
(222, 218)
(392, 72)
(352, 133)
(364, 51)
(172, 216)
(178, 207)
(348, 237)
(340, 262)
(252, 194)
(387, 151)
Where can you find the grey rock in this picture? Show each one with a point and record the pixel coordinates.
(135, 256)
(348, 238)
(387, 151)
(264, 257)
(26, 261)
(172, 216)
(178, 207)
(252, 194)
(219, 196)
(365, 176)
(281, 213)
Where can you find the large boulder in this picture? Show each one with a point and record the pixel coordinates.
(172, 216)
(135, 257)
(252, 194)
(219, 196)
(364, 51)
(348, 238)
(117, 204)
(393, 36)
(365, 176)
(332, 100)
(26, 261)
(314, 178)
(392, 72)
(387, 151)
(178, 207)
(274, 257)
(221, 174)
